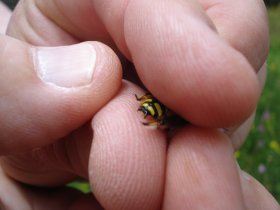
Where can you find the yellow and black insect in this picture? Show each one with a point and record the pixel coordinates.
(159, 115)
(153, 109)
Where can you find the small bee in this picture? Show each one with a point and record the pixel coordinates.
(152, 108)
(159, 115)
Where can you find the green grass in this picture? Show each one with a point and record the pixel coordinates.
(83, 186)
(260, 156)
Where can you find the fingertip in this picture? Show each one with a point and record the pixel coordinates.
(198, 74)
(224, 91)
(49, 92)
(214, 86)
(126, 166)
(255, 195)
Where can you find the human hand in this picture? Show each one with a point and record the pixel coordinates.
(35, 112)
(128, 170)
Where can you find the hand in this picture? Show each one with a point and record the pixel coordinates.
(177, 52)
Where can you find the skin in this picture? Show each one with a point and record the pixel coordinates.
(214, 50)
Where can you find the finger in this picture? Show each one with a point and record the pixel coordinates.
(127, 160)
(244, 25)
(255, 195)
(239, 133)
(52, 23)
(48, 92)
(53, 165)
(201, 172)
(211, 83)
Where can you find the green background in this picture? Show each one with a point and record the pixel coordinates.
(260, 155)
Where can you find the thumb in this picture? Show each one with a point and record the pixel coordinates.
(47, 92)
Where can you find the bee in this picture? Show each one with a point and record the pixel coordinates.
(159, 115)
(153, 109)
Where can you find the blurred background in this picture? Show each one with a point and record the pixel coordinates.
(260, 155)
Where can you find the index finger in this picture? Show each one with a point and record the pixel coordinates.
(178, 53)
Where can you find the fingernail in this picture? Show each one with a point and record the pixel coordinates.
(67, 66)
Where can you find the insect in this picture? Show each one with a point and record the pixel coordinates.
(157, 114)
(152, 109)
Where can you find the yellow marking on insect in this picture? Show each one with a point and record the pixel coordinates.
(159, 109)
(154, 110)
(147, 100)
(149, 108)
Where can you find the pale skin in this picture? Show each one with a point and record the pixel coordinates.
(213, 50)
